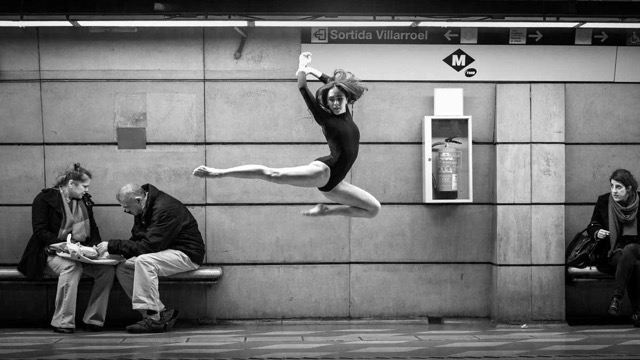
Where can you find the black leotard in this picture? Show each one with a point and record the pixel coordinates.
(342, 134)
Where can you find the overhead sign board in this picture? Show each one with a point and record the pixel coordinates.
(543, 63)
(480, 36)
(390, 35)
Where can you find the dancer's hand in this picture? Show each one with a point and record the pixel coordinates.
(304, 60)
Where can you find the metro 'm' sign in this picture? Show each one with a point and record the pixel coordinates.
(458, 60)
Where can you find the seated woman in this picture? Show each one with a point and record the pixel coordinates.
(65, 209)
(615, 218)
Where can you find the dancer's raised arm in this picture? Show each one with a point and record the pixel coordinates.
(301, 74)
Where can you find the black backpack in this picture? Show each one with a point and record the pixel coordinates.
(582, 251)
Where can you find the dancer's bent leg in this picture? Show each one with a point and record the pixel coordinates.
(354, 202)
(315, 174)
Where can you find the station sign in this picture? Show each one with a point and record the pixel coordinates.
(480, 36)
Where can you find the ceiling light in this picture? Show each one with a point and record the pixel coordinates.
(610, 25)
(499, 24)
(43, 23)
(265, 23)
(162, 23)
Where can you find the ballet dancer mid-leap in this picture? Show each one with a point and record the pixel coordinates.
(330, 111)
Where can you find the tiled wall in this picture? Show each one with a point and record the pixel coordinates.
(603, 134)
(62, 92)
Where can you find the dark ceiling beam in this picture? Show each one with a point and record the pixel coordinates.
(427, 8)
(327, 8)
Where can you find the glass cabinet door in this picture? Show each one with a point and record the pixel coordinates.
(447, 159)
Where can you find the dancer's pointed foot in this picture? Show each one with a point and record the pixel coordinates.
(318, 210)
(204, 171)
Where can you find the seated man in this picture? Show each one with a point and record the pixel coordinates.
(165, 240)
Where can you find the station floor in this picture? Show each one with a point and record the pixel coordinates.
(332, 340)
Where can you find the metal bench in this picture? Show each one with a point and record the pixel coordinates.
(590, 273)
(205, 274)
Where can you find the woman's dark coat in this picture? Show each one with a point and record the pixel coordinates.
(600, 217)
(46, 219)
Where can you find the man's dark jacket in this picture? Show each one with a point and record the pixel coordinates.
(166, 223)
(46, 219)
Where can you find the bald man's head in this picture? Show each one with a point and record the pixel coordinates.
(132, 198)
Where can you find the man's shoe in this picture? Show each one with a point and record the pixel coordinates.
(146, 325)
(167, 314)
(169, 317)
(614, 307)
(93, 328)
(62, 330)
(636, 319)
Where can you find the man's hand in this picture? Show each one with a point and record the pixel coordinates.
(102, 247)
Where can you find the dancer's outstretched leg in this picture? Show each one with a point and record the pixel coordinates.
(316, 174)
(354, 202)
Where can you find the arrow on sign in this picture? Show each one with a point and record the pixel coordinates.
(449, 35)
(537, 35)
(602, 37)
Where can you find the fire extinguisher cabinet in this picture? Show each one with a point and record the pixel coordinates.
(447, 159)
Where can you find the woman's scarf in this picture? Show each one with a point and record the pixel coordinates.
(619, 214)
(75, 220)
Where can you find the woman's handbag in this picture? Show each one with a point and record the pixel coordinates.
(581, 251)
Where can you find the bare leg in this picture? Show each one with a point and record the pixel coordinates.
(354, 201)
(316, 174)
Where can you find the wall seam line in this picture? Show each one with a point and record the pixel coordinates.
(531, 239)
(44, 153)
(204, 124)
(350, 220)
(615, 64)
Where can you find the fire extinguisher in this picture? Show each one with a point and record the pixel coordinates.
(447, 162)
